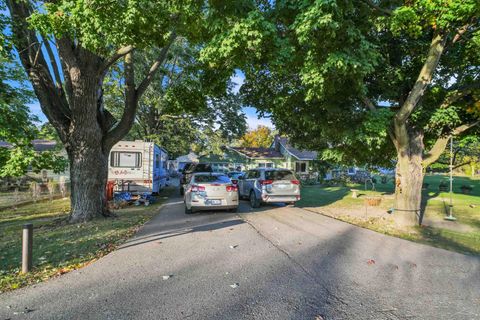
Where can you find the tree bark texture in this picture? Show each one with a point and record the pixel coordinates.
(409, 176)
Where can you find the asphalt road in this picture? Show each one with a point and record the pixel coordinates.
(271, 263)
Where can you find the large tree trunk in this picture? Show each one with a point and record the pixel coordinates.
(85, 145)
(88, 176)
(409, 177)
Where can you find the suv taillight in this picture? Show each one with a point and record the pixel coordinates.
(295, 182)
(265, 182)
(196, 188)
(233, 188)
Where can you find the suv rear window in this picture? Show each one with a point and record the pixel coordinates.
(201, 167)
(279, 175)
(203, 178)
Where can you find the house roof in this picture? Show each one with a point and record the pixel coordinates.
(258, 153)
(38, 145)
(229, 156)
(4, 144)
(44, 145)
(299, 154)
(191, 157)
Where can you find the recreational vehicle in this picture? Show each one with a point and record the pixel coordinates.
(138, 167)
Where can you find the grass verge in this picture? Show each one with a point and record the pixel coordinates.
(461, 236)
(59, 247)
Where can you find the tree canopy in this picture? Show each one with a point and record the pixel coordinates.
(363, 82)
(185, 106)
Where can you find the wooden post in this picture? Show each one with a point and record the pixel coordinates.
(27, 243)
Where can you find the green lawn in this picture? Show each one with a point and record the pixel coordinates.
(60, 247)
(462, 235)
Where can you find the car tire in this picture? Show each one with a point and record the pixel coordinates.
(289, 204)
(188, 211)
(234, 210)
(254, 202)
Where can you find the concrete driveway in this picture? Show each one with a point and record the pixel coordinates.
(271, 263)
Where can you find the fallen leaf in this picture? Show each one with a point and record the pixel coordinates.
(234, 246)
(370, 262)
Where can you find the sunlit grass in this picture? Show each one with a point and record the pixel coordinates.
(466, 208)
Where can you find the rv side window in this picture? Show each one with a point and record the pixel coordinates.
(157, 161)
(123, 159)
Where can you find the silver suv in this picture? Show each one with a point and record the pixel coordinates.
(269, 185)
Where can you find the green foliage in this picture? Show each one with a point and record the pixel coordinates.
(442, 118)
(98, 24)
(16, 123)
(374, 129)
(320, 60)
(184, 107)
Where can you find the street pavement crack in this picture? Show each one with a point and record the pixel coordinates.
(295, 262)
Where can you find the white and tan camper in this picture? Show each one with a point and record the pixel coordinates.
(138, 167)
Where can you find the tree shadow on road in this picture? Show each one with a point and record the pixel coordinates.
(173, 232)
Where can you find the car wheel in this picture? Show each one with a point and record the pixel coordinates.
(234, 210)
(254, 202)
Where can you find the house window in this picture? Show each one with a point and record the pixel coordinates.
(301, 167)
(122, 159)
(265, 165)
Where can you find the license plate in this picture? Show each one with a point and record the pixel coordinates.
(282, 186)
(214, 202)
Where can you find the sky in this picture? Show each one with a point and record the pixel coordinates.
(252, 119)
(238, 78)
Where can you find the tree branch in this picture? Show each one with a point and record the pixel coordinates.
(457, 94)
(374, 6)
(424, 78)
(153, 69)
(121, 52)
(131, 103)
(52, 102)
(439, 146)
(53, 62)
(460, 32)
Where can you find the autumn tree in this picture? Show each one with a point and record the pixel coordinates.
(261, 137)
(364, 82)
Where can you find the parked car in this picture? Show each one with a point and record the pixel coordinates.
(191, 169)
(208, 191)
(235, 175)
(269, 185)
